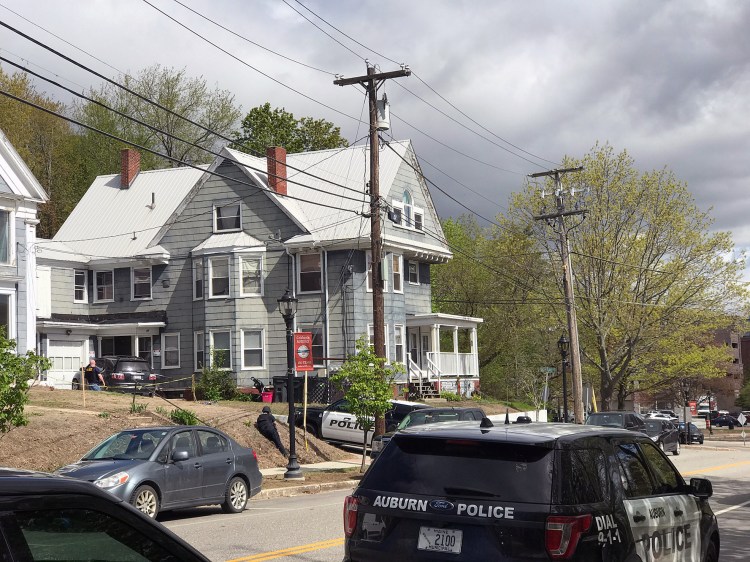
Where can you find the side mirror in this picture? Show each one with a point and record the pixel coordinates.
(180, 455)
(701, 488)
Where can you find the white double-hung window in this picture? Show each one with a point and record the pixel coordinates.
(251, 275)
(228, 218)
(219, 273)
(252, 349)
(412, 217)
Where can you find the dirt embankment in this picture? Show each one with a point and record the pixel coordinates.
(62, 429)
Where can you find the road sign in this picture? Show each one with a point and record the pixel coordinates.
(742, 419)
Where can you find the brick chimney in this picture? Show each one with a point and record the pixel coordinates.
(276, 158)
(130, 163)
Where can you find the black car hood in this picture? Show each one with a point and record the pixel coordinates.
(93, 470)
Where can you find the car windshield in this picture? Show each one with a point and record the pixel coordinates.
(474, 468)
(653, 427)
(606, 420)
(135, 444)
(418, 417)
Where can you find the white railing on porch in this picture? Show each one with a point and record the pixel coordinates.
(452, 364)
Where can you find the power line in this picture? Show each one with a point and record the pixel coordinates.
(290, 59)
(324, 31)
(176, 160)
(238, 59)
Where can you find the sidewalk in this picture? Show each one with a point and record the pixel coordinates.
(327, 466)
(320, 477)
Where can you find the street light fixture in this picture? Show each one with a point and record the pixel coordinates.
(563, 344)
(288, 309)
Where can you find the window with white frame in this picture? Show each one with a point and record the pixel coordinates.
(104, 286)
(411, 217)
(252, 349)
(418, 219)
(318, 349)
(80, 286)
(251, 272)
(221, 349)
(408, 212)
(199, 355)
(170, 351)
(197, 278)
(414, 273)
(384, 272)
(227, 218)
(6, 315)
(371, 338)
(6, 243)
(399, 340)
(141, 283)
(397, 275)
(219, 272)
(310, 273)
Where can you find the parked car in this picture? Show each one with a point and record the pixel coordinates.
(624, 420)
(124, 373)
(336, 423)
(426, 416)
(696, 435)
(724, 420)
(665, 434)
(161, 468)
(470, 491)
(47, 517)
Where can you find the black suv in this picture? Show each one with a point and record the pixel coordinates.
(467, 491)
(124, 373)
(47, 517)
(625, 420)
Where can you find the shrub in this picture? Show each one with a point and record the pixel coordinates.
(216, 383)
(450, 396)
(104, 415)
(183, 417)
(137, 408)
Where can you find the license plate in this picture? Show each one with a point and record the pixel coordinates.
(137, 377)
(440, 540)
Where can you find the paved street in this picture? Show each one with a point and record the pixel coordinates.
(309, 528)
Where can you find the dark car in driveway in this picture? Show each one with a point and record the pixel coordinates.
(161, 468)
(470, 491)
(665, 434)
(696, 435)
(426, 416)
(624, 420)
(47, 517)
(124, 373)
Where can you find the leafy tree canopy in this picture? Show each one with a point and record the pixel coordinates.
(263, 127)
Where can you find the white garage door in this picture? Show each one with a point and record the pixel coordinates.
(66, 357)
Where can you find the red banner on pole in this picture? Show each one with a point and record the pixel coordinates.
(303, 357)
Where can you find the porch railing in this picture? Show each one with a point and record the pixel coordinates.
(451, 364)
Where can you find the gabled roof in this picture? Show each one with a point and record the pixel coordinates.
(109, 222)
(15, 176)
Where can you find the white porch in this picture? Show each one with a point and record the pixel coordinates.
(430, 368)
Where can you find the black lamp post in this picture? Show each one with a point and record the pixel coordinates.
(288, 309)
(685, 405)
(563, 344)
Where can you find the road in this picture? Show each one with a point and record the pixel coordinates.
(309, 528)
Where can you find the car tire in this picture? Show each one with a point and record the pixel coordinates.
(235, 496)
(712, 553)
(677, 450)
(311, 430)
(701, 440)
(146, 500)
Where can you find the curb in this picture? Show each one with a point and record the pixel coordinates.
(304, 489)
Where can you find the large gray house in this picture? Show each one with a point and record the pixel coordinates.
(20, 194)
(171, 264)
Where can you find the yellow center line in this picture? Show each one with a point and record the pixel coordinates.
(715, 468)
(301, 549)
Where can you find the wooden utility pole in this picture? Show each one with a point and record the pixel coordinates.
(371, 82)
(570, 307)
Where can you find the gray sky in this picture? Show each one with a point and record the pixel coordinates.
(668, 81)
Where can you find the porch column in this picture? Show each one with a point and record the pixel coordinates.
(435, 336)
(475, 351)
(455, 350)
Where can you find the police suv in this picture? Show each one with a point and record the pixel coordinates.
(468, 491)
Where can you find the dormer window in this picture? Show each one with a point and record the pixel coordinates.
(227, 218)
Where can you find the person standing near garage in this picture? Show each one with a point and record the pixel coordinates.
(93, 376)
(266, 425)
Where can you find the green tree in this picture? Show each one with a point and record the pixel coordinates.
(15, 373)
(744, 399)
(648, 267)
(191, 97)
(263, 127)
(366, 381)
